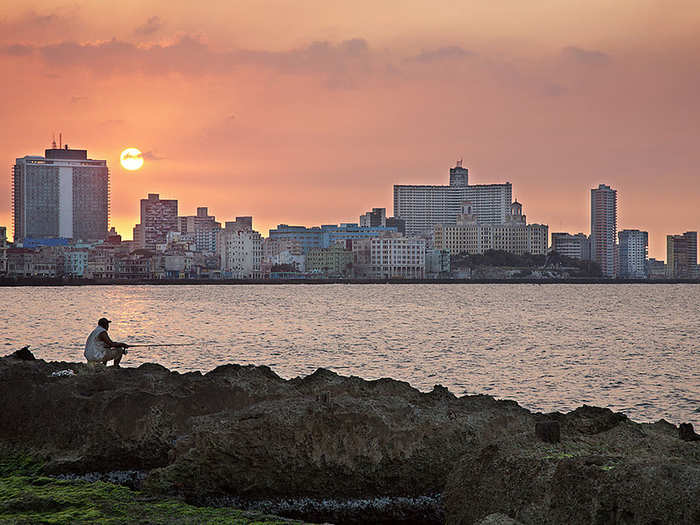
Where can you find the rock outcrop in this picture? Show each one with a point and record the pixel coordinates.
(243, 432)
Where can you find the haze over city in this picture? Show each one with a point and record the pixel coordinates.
(309, 115)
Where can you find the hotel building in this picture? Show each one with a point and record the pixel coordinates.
(422, 207)
(62, 194)
(240, 250)
(470, 236)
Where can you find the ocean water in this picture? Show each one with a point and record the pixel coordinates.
(632, 348)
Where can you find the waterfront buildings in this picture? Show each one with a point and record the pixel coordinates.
(158, 217)
(239, 248)
(335, 260)
(328, 234)
(437, 264)
(470, 236)
(422, 207)
(682, 256)
(633, 254)
(203, 228)
(62, 194)
(576, 246)
(604, 229)
(392, 257)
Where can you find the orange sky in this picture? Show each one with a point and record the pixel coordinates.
(308, 112)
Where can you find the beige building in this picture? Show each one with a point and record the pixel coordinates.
(470, 236)
(3, 250)
(240, 251)
(392, 257)
(334, 260)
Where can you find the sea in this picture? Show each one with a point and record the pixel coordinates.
(634, 348)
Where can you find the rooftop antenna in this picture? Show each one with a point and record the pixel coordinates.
(60, 140)
(459, 163)
(53, 140)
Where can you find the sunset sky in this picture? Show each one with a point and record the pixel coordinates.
(308, 112)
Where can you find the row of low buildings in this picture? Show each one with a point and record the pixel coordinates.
(61, 209)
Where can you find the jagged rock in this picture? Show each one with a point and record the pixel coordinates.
(548, 431)
(686, 432)
(23, 354)
(244, 432)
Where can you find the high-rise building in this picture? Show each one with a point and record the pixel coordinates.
(422, 207)
(158, 217)
(682, 255)
(604, 229)
(203, 228)
(376, 217)
(574, 246)
(470, 236)
(239, 248)
(633, 254)
(62, 194)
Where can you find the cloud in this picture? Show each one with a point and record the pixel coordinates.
(585, 56)
(75, 100)
(441, 53)
(149, 155)
(17, 50)
(152, 25)
(340, 62)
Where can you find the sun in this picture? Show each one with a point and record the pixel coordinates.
(131, 159)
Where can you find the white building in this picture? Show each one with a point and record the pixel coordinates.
(422, 207)
(203, 227)
(604, 229)
(402, 257)
(470, 236)
(240, 252)
(633, 253)
(574, 246)
(63, 194)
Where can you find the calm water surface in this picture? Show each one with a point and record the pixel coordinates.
(633, 348)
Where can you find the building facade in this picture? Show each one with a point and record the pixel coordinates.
(682, 256)
(576, 246)
(633, 251)
(158, 217)
(422, 207)
(240, 252)
(335, 260)
(470, 236)
(203, 228)
(327, 234)
(604, 229)
(397, 257)
(62, 194)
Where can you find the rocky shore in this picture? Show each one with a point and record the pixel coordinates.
(345, 450)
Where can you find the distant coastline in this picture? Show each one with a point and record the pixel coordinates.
(167, 282)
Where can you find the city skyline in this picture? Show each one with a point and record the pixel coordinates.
(314, 123)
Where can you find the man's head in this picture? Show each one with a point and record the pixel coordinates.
(104, 323)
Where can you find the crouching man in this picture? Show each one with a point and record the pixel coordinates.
(99, 348)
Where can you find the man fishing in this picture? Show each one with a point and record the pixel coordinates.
(99, 348)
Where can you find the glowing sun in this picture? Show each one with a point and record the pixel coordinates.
(131, 159)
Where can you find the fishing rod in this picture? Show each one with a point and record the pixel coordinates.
(163, 344)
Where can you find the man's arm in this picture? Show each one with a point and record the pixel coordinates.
(109, 343)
